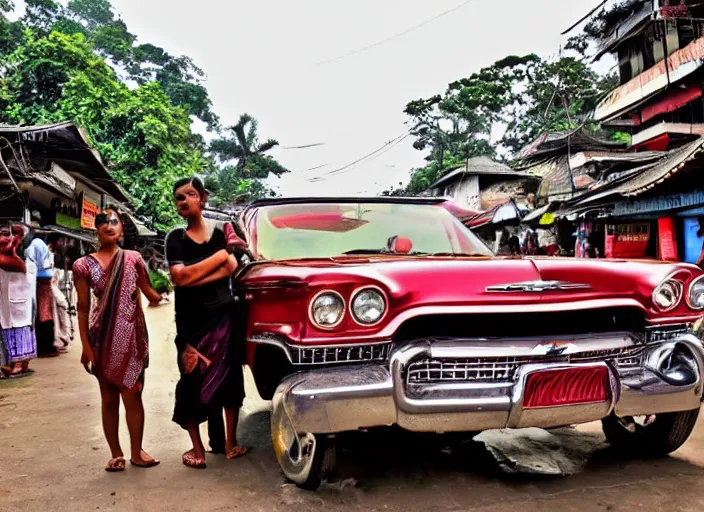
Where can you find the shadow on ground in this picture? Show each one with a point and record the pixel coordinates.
(371, 460)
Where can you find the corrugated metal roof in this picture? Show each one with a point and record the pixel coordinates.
(556, 143)
(685, 157)
(67, 145)
(477, 166)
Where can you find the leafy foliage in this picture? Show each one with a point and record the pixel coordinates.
(607, 18)
(72, 63)
(160, 281)
(527, 95)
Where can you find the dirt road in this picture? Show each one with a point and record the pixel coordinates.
(52, 453)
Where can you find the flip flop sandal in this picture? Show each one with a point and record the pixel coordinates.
(152, 463)
(115, 465)
(237, 451)
(189, 459)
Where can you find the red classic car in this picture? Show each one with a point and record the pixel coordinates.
(387, 311)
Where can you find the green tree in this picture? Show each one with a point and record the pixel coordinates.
(252, 163)
(555, 96)
(527, 95)
(146, 140)
(72, 63)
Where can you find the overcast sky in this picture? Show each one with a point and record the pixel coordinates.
(262, 57)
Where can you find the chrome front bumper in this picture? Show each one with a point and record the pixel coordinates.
(349, 398)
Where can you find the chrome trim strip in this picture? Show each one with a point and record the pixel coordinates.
(538, 286)
(295, 350)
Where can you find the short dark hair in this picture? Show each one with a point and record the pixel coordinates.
(195, 182)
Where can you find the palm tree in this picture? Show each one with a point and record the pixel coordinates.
(233, 183)
(244, 146)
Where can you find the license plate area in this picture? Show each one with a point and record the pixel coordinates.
(567, 386)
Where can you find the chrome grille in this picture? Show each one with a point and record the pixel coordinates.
(660, 333)
(341, 354)
(503, 369)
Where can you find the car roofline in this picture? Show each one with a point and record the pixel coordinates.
(275, 201)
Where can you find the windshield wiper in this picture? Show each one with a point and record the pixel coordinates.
(459, 254)
(366, 251)
(383, 251)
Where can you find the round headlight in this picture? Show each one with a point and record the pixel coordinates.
(327, 309)
(368, 306)
(668, 295)
(695, 298)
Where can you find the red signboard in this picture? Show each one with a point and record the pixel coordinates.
(626, 240)
(667, 241)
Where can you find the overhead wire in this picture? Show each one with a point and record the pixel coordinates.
(306, 146)
(395, 36)
(370, 156)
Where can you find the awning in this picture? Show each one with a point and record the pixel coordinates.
(506, 212)
(67, 145)
(457, 211)
(659, 143)
(675, 99)
(79, 235)
(536, 214)
(650, 176)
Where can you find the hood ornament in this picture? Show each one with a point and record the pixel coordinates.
(538, 287)
(551, 348)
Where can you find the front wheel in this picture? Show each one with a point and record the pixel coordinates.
(650, 436)
(305, 458)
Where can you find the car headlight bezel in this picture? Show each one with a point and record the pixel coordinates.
(312, 307)
(674, 285)
(384, 304)
(700, 282)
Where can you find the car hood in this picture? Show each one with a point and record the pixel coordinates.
(468, 281)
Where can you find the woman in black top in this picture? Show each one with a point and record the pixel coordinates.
(209, 360)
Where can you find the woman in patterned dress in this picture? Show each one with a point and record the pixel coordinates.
(17, 342)
(114, 334)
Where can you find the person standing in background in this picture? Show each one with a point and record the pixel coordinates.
(38, 253)
(16, 289)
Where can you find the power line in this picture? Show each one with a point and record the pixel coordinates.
(371, 156)
(314, 145)
(316, 167)
(338, 170)
(395, 36)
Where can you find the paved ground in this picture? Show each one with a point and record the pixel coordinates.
(52, 453)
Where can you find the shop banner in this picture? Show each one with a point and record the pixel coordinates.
(91, 206)
(626, 240)
(667, 240)
(659, 204)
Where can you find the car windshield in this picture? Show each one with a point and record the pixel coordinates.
(327, 230)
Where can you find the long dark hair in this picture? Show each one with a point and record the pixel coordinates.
(195, 182)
